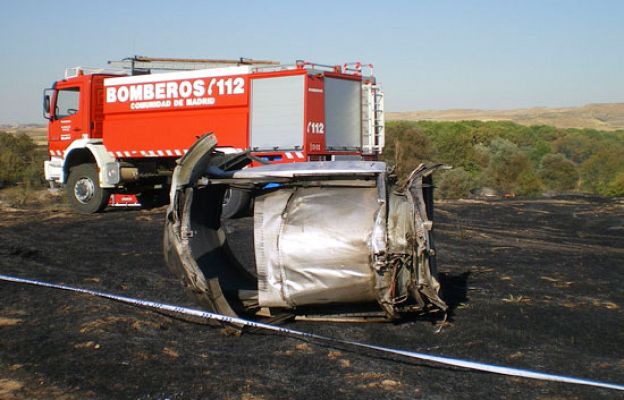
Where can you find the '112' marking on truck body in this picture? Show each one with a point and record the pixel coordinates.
(316, 127)
(228, 86)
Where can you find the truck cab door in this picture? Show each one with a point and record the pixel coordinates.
(69, 116)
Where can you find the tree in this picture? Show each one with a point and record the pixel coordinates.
(453, 145)
(454, 184)
(616, 185)
(19, 160)
(507, 165)
(558, 173)
(406, 147)
(600, 172)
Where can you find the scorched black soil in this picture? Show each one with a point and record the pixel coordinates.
(532, 284)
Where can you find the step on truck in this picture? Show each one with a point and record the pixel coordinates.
(118, 131)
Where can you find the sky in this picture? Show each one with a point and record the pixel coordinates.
(427, 54)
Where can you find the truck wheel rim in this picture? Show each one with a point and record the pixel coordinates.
(84, 190)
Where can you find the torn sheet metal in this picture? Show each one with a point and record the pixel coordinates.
(312, 246)
(325, 233)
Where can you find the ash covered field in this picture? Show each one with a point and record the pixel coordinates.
(533, 284)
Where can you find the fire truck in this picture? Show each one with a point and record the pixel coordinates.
(117, 132)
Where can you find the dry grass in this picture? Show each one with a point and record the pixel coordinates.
(9, 321)
(87, 345)
(8, 387)
(39, 134)
(169, 352)
(607, 117)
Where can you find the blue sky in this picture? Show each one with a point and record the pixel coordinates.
(427, 54)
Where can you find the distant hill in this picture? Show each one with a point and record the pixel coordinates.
(38, 132)
(606, 117)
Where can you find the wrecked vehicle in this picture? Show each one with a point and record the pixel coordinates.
(333, 240)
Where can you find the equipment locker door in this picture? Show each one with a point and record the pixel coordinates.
(343, 114)
(277, 113)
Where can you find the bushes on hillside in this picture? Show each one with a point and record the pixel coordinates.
(616, 185)
(454, 184)
(20, 160)
(406, 149)
(602, 172)
(558, 173)
(511, 158)
(452, 145)
(508, 166)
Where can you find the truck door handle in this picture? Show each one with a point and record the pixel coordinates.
(77, 129)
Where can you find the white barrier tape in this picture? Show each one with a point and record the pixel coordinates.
(496, 369)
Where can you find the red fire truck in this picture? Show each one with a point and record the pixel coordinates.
(120, 131)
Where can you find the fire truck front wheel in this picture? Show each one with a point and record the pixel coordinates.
(83, 189)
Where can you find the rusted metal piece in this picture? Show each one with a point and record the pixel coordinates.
(328, 237)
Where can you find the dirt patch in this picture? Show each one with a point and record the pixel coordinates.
(30, 388)
(8, 387)
(531, 284)
(169, 352)
(9, 321)
(87, 345)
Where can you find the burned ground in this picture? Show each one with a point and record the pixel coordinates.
(532, 284)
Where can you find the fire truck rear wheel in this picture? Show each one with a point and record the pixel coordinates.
(236, 203)
(83, 189)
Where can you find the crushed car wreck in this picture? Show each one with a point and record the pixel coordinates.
(336, 239)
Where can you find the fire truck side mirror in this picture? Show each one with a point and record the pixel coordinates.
(46, 104)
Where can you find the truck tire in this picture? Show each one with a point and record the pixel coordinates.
(236, 203)
(83, 190)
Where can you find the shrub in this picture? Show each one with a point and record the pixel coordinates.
(507, 164)
(600, 172)
(454, 184)
(406, 147)
(529, 183)
(453, 145)
(616, 185)
(20, 160)
(481, 156)
(538, 151)
(558, 173)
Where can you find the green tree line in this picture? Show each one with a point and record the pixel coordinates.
(511, 158)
